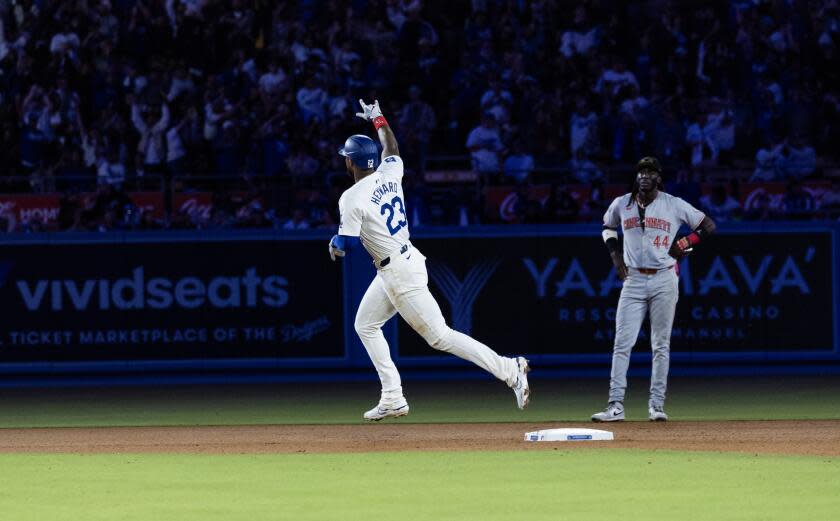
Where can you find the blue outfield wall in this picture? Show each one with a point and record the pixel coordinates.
(238, 303)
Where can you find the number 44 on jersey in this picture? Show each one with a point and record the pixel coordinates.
(661, 241)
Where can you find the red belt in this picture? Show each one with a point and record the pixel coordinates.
(651, 271)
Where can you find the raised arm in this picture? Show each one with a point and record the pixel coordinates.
(373, 114)
(388, 141)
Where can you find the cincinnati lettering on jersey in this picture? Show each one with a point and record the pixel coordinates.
(380, 191)
(650, 222)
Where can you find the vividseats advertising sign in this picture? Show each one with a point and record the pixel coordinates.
(141, 301)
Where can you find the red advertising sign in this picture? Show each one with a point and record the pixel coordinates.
(195, 205)
(44, 208)
(750, 193)
(501, 201)
(27, 208)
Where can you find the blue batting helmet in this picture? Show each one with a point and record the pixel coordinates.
(361, 150)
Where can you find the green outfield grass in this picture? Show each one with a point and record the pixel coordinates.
(552, 485)
(579, 485)
(471, 401)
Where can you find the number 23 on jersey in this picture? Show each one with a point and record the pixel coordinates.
(391, 209)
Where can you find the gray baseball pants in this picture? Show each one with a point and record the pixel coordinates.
(656, 293)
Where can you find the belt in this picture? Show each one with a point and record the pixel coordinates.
(651, 271)
(387, 260)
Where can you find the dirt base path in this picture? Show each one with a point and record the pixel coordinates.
(775, 437)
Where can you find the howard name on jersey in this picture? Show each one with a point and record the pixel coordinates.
(373, 210)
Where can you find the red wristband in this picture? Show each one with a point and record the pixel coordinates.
(379, 121)
(693, 238)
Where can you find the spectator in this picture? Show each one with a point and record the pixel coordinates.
(830, 203)
(273, 80)
(176, 152)
(33, 143)
(720, 206)
(312, 101)
(562, 207)
(485, 145)
(595, 205)
(109, 169)
(702, 148)
(65, 44)
(799, 160)
(583, 170)
(297, 221)
(227, 151)
(762, 209)
(628, 137)
(615, 78)
(181, 84)
(519, 165)
(583, 128)
(766, 164)
(151, 122)
(720, 128)
(582, 38)
(216, 112)
(301, 164)
(496, 100)
(798, 203)
(253, 72)
(416, 122)
(109, 210)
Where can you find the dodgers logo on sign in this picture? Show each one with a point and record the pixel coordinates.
(461, 294)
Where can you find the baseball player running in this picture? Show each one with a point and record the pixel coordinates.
(649, 220)
(374, 211)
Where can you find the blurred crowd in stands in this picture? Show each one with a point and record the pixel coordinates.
(251, 99)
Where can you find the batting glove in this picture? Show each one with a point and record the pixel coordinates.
(680, 248)
(369, 112)
(336, 247)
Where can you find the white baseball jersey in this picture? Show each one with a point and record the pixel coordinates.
(646, 244)
(374, 210)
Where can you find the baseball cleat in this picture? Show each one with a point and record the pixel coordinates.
(390, 409)
(521, 388)
(613, 413)
(656, 413)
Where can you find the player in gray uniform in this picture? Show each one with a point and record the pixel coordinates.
(649, 220)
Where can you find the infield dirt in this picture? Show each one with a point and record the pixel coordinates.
(819, 438)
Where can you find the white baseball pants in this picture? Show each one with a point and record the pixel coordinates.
(402, 287)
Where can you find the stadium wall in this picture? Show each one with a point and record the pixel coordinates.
(247, 303)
